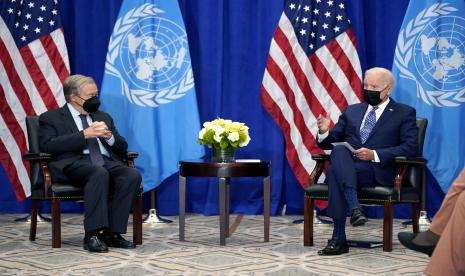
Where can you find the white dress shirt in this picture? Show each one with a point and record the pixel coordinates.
(75, 114)
(378, 113)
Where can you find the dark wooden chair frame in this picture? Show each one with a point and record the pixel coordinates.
(404, 164)
(46, 192)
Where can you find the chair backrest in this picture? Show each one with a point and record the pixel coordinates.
(414, 176)
(32, 126)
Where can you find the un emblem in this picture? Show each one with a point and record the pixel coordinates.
(431, 52)
(149, 55)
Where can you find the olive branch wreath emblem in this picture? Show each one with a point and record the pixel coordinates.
(404, 53)
(139, 96)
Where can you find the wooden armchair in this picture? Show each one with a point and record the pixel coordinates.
(407, 187)
(42, 188)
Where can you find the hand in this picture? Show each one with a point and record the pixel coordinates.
(323, 123)
(97, 129)
(364, 154)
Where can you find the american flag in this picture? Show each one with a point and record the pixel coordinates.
(313, 68)
(33, 66)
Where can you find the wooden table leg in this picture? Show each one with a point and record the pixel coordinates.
(228, 185)
(266, 207)
(222, 203)
(182, 206)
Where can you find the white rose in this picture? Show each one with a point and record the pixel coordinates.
(218, 130)
(207, 125)
(217, 137)
(202, 133)
(246, 142)
(233, 136)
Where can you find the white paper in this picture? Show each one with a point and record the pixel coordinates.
(248, 160)
(345, 144)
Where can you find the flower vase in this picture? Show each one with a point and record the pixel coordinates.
(220, 155)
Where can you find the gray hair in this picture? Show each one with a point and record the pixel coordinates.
(73, 83)
(388, 76)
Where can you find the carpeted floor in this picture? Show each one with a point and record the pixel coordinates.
(163, 254)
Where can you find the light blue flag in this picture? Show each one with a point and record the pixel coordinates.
(429, 66)
(148, 87)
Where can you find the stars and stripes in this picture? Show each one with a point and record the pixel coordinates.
(33, 66)
(313, 68)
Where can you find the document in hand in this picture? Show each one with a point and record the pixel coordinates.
(345, 144)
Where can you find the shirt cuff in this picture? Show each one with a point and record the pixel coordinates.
(111, 141)
(323, 136)
(376, 158)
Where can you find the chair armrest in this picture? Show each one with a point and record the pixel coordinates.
(35, 157)
(320, 157)
(321, 160)
(132, 154)
(410, 160)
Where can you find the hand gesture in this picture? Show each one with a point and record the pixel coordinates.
(323, 123)
(364, 154)
(97, 129)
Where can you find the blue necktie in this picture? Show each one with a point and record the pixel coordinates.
(370, 122)
(94, 150)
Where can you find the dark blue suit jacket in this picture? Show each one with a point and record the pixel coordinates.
(59, 136)
(395, 134)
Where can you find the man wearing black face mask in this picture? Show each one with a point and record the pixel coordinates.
(87, 150)
(379, 129)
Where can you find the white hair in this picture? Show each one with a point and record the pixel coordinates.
(388, 76)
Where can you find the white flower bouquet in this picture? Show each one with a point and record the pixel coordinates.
(223, 134)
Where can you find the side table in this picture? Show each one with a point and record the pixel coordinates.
(224, 172)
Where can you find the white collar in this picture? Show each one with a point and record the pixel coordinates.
(382, 106)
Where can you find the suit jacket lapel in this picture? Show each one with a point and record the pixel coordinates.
(385, 116)
(68, 119)
(359, 119)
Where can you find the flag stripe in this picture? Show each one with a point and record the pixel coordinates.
(292, 153)
(19, 69)
(59, 41)
(12, 77)
(54, 59)
(296, 103)
(31, 62)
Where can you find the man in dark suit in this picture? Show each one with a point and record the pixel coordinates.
(379, 129)
(87, 150)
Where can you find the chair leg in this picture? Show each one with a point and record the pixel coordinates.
(415, 218)
(137, 220)
(56, 223)
(387, 227)
(308, 221)
(33, 229)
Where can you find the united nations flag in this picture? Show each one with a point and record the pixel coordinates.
(148, 87)
(429, 65)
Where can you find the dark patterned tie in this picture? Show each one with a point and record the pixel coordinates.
(370, 122)
(92, 143)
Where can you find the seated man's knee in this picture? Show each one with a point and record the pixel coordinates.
(340, 150)
(100, 172)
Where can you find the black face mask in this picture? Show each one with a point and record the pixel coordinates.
(372, 97)
(91, 105)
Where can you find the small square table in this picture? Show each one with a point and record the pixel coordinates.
(224, 172)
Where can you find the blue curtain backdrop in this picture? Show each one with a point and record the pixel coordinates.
(229, 43)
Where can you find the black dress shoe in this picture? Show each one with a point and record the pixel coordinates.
(116, 240)
(94, 244)
(334, 247)
(406, 239)
(358, 218)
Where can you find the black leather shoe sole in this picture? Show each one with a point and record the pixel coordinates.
(361, 220)
(325, 252)
(95, 250)
(406, 239)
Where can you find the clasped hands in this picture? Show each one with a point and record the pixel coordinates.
(324, 122)
(98, 129)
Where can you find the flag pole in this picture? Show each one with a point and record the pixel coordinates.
(152, 218)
